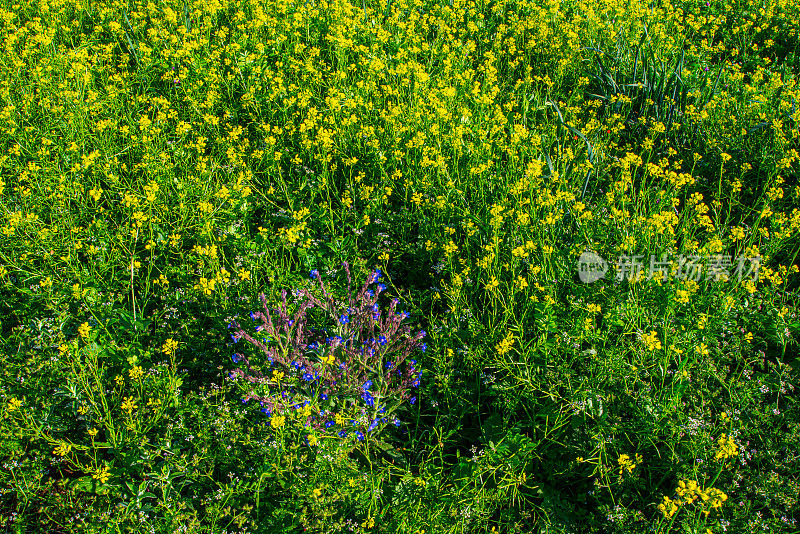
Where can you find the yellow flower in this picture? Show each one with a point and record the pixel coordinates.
(83, 330)
(626, 463)
(129, 405)
(101, 474)
(505, 345)
(169, 347)
(62, 449)
(136, 373)
(312, 440)
(14, 404)
(727, 448)
(92, 432)
(328, 360)
(651, 341)
(277, 421)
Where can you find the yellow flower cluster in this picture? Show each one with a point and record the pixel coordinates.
(651, 341)
(277, 421)
(626, 463)
(169, 347)
(689, 492)
(505, 345)
(727, 448)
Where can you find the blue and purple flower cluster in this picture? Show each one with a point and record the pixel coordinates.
(346, 376)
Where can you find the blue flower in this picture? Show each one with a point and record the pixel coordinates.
(376, 275)
(231, 325)
(324, 396)
(329, 424)
(397, 422)
(367, 385)
(342, 434)
(266, 412)
(423, 347)
(235, 358)
(374, 425)
(412, 401)
(314, 274)
(360, 436)
(381, 287)
(369, 400)
(382, 340)
(308, 377)
(344, 319)
(389, 365)
(252, 316)
(234, 338)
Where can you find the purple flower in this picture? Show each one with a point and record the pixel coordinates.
(369, 400)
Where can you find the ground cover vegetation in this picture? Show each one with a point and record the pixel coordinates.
(312, 266)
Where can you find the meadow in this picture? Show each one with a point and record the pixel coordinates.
(399, 266)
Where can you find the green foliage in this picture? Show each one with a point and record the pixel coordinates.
(163, 164)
